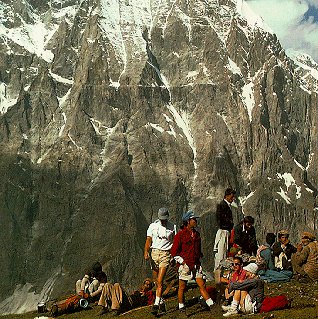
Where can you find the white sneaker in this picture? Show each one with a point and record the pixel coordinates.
(226, 308)
(230, 312)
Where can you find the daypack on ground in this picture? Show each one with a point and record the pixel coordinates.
(274, 303)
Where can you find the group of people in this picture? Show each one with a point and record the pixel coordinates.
(250, 264)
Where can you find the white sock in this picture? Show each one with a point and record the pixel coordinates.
(181, 305)
(157, 300)
(209, 302)
(234, 304)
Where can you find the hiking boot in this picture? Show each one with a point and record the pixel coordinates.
(155, 310)
(182, 313)
(203, 304)
(103, 311)
(226, 308)
(162, 307)
(231, 312)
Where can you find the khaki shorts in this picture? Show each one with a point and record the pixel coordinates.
(186, 274)
(248, 306)
(160, 258)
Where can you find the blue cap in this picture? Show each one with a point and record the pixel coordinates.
(188, 215)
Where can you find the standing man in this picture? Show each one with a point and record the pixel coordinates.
(186, 251)
(224, 219)
(160, 235)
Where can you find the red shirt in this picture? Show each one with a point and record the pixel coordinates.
(187, 244)
(238, 275)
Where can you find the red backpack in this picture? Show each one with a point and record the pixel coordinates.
(274, 303)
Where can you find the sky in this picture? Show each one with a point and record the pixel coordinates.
(295, 22)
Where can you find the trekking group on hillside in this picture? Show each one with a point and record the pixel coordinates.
(241, 266)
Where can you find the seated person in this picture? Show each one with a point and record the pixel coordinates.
(283, 250)
(245, 236)
(248, 294)
(266, 267)
(92, 283)
(264, 254)
(87, 284)
(239, 274)
(305, 260)
(114, 298)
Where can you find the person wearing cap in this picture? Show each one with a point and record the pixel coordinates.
(186, 250)
(305, 260)
(160, 235)
(248, 294)
(265, 262)
(283, 250)
(224, 219)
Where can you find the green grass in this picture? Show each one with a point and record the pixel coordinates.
(304, 304)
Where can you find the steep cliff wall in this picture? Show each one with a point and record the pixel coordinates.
(114, 108)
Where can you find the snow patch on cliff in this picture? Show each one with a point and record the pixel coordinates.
(248, 98)
(6, 101)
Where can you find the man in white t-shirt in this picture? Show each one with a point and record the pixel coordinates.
(160, 235)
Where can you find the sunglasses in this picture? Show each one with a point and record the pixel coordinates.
(236, 264)
(305, 237)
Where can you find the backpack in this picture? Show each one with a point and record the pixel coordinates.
(274, 303)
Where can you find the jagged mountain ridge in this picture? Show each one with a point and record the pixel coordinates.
(111, 109)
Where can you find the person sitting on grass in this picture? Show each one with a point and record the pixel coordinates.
(305, 260)
(91, 285)
(115, 299)
(238, 274)
(265, 262)
(248, 294)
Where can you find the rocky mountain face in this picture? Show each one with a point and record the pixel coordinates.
(111, 109)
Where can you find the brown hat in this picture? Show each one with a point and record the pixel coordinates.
(283, 232)
(308, 235)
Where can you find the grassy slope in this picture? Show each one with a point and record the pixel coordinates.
(304, 305)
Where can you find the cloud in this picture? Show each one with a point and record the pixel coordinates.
(293, 21)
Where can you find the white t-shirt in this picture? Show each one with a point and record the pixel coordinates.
(162, 236)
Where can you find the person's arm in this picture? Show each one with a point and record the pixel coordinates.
(85, 281)
(218, 215)
(277, 249)
(254, 242)
(176, 249)
(269, 258)
(245, 285)
(237, 235)
(302, 254)
(98, 291)
(147, 247)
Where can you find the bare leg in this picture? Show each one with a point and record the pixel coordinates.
(243, 295)
(201, 284)
(161, 275)
(181, 291)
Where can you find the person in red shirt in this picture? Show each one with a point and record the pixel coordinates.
(238, 275)
(186, 250)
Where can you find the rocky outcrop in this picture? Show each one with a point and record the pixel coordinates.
(117, 108)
